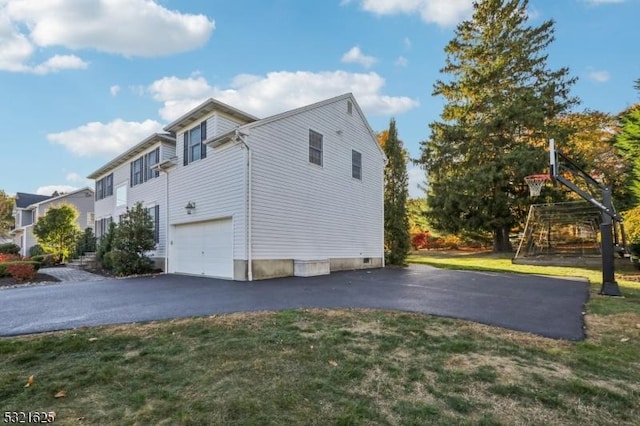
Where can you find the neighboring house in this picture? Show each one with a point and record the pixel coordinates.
(298, 193)
(30, 207)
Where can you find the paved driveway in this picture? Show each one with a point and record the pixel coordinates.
(547, 306)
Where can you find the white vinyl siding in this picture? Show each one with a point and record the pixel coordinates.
(311, 212)
(216, 185)
(148, 193)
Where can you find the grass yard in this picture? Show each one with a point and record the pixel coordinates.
(341, 367)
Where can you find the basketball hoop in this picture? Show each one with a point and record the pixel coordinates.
(535, 183)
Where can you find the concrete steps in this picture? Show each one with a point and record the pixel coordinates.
(86, 261)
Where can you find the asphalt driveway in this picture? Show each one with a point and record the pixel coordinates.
(546, 306)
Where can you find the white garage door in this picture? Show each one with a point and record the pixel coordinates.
(204, 248)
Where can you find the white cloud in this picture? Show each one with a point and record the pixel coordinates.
(441, 12)
(407, 42)
(401, 61)
(60, 62)
(50, 189)
(125, 27)
(355, 55)
(114, 90)
(599, 76)
(277, 92)
(99, 139)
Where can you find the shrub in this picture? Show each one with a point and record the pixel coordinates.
(9, 248)
(47, 260)
(5, 267)
(125, 263)
(632, 224)
(21, 271)
(104, 248)
(420, 240)
(36, 250)
(9, 257)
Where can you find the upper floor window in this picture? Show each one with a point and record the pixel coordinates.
(152, 158)
(349, 107)
(141, 168)
(315, 148)
(194, 148)
(356, 164)
(104, 187)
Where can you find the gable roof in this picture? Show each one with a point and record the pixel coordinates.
(299, 110)
(132, 152)
(24, 200)
(61, 196)
(204, 109)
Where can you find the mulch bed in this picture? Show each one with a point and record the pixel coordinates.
(39, 278)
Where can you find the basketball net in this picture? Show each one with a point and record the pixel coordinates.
(536, 182)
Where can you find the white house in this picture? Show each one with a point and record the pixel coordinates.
(298, 193)
(30, 207)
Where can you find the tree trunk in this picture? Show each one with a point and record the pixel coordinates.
(501, 241)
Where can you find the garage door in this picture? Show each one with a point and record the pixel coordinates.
(204, 248)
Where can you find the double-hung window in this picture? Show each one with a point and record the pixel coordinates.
(356, 164)
(142, 167)
(194, 148)
(137, 172)
(151, 159)
(104, 187)
(315, 148)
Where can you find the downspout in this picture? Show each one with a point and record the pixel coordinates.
(166, 222)
(249, 252)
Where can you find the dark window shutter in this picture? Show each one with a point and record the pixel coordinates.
(157, 172)
(203, 137)
(131, 174)
(185, 160)
(156, 225)
(145, 164)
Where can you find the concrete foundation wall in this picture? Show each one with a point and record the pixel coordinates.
(348, 264)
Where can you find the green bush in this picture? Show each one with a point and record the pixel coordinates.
(36, 250)
(125, 263)
(47, 260)
(104, 248)
(9, 248)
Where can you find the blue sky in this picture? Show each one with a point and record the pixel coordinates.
(83, 80)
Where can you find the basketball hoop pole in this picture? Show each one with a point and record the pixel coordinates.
(609, 285)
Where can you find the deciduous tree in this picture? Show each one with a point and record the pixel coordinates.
(57, 231)
(6, 213)
(500, 98)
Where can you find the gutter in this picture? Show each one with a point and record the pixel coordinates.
(239, 137)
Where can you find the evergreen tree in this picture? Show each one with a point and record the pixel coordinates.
(133, 238)
(396, 191)
(500, 99)
(628, 144)
(57, 231)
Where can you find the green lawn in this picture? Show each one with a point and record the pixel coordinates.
(332, 367)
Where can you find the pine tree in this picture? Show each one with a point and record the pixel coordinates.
(500, 99)
(396, 192)
(628, 144)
